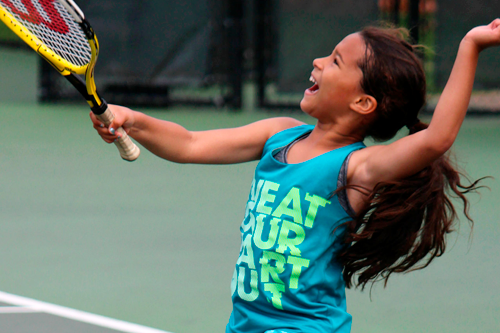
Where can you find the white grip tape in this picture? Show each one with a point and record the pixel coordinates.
(128, 150)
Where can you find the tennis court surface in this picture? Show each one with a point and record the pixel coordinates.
(24, 315)
(154, 243)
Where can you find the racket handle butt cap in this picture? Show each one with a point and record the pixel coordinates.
(128, 150)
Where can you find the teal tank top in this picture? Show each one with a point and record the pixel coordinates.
(286, 277)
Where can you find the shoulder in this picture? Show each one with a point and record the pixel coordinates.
(287, 128)
(264, 129)
(279, 124)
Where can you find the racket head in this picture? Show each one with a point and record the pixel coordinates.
(52, 29)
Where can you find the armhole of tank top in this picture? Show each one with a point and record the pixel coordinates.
(341, 182)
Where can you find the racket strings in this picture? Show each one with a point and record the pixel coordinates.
(51, 23)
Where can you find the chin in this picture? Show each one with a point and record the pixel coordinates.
(303, 106)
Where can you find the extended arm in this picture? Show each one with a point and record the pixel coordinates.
(173, 142)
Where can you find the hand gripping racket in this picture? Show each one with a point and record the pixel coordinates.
(58, 31)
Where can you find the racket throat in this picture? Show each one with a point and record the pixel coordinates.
(97, 105)
(99, 109)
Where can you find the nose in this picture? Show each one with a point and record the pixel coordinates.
(317, 63)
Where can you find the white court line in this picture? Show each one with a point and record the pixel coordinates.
(17, 309)
(61, 311)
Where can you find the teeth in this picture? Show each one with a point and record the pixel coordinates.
(312, 80)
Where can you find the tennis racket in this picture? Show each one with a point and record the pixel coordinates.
(58, 31)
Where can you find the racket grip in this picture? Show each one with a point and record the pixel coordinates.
(128, 150)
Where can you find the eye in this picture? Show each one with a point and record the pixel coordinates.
(335, 61)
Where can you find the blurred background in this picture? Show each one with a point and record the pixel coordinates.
(206, 52)
(153, 242)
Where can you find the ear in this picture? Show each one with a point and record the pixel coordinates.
(364, 104)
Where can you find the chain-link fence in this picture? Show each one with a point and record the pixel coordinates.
(201, 51)
(158, 53)
(302, 31)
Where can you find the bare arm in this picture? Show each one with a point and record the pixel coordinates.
(412, 153)
(173, 142)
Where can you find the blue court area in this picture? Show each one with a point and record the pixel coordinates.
(154, 243)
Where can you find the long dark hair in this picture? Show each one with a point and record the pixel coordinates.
(404, 224)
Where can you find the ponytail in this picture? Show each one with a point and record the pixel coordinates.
(404, 224)
(416, 126)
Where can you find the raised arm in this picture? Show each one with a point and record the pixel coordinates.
(454, 101)
(173, 142)
(412, 153)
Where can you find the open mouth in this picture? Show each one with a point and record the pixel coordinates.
(315, 87)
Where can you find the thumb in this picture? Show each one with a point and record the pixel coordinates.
(117, 117)
(113, 126)
(109, 121)
(116, 128)
(495, 24)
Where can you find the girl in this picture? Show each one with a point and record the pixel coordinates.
(324, 211)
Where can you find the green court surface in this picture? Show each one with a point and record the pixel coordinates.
(24, 315)
(154, 243)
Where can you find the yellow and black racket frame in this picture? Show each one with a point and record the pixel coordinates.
(128, 150)
(70, 71)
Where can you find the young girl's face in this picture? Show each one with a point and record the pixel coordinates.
(336, 80)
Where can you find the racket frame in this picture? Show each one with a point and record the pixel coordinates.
(128, 150)
(64, 67)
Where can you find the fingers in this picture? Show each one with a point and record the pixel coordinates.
(110, 121)
(108, 134)
(495, 24)
(485, 36)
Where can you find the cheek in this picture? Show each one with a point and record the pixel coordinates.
(352, 83)
(345, 87)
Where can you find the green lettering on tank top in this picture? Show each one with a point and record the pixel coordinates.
(246, 255)
(250, 224)
(273, 233)
(254, 279)
(297, 264)
(273, 271)
(293, 197)
(254, 194)
(275, 289)
(255, 190)
(285, 241)
(316, 202)
(265, 197)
